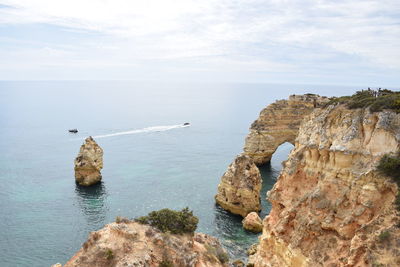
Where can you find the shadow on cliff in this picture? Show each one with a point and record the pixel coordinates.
(92, 202)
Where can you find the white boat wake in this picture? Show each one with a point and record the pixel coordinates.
(144, 130)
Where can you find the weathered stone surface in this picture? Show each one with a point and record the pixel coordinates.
(252, 249)
(239, 190)
(89, 163)
(238, 263)
(278, 123)
(252, 222)
(329, 205)
(133, 244)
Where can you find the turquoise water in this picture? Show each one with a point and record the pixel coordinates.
(45, 217)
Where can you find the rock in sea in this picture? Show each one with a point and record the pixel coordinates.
(89, 163)
(252, 222)
(239, 190)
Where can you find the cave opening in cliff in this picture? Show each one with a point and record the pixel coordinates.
(281, 154)
(270, 172)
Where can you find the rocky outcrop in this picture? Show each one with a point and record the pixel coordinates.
(278, 123)
(239, 190)
(252, 222)
(330, 207)
(129, 243)
(89, 163)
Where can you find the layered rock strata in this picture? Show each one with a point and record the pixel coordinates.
(252, 222)
(240, 186)
(278, 123)
(89, 163)
(330, 207)
(132, 244)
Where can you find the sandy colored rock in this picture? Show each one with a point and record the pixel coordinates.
(252, 222)
(89, 163)
(278, 123)
(240, 186)
(134, 244)
(238, 263)
(330, 207)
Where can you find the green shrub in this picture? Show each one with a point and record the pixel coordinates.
(390, 166)
(120, 219)
(175, 222)
(218, 252)
(384, 236)
(166, 260)
(109, 254)
(397, 201)
(376, 100)
(166, 263)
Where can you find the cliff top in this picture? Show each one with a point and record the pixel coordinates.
(375, 100)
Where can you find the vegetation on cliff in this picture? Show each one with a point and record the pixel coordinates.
(389, 165)
(175, 222)
(376, 100)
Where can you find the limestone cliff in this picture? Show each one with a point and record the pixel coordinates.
(239, 190)
(132, 244)
(89, 163)
(278, 123)
(330, 207)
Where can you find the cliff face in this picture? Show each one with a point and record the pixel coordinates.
(239, 190)
(278, 123)
(330, 207)
(132, 244)
(88, 163)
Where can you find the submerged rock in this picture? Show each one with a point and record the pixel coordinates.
(129, 243)
(252, 222)
(89, 163)
(239, 190)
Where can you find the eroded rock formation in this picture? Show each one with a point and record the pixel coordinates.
(132, 244)
(89, 163)
(252, 222)
(330, 207)
(278, 123)
(239, 190)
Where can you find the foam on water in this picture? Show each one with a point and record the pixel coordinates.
(144, 130)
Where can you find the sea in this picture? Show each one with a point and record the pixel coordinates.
(151, 160)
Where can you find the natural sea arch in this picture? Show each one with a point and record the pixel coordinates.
(277, 124)
(270, 173)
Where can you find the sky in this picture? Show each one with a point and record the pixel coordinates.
(255, 41)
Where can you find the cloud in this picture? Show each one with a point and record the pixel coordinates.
(250, 35)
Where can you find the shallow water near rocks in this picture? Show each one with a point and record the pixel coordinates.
(45, 217)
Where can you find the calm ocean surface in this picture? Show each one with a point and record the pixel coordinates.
(45, 217)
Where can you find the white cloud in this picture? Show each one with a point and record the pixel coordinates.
(249, 34)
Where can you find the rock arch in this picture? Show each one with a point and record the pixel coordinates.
(278, 123)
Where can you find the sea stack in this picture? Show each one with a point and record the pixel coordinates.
(239, 190)
(88, 163)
